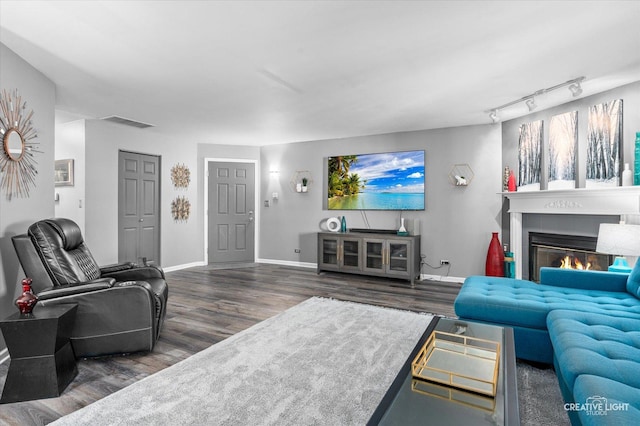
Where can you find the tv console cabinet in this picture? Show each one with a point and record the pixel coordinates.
(375, 253)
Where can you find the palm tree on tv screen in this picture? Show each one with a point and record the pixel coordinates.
(340, 181)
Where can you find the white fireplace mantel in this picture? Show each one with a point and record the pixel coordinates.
(621, 201)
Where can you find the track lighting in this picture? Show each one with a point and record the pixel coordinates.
(529, 100)
(576, 89)
(531, 103)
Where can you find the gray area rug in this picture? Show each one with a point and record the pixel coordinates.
(322, 362)
(539, 397)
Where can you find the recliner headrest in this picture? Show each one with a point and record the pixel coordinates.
(68, 230)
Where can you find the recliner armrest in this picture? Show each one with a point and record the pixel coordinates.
(76, 288)
(586, 280)
(137, 273)
(143, 284)
(116, 267)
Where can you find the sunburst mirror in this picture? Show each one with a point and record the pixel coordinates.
(17, 162)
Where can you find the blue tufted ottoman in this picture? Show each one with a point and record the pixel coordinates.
(524, 305)
(597, 356)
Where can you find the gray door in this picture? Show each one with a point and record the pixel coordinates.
(138, 208)
(231, 212)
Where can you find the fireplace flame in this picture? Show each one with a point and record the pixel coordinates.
(570, 262)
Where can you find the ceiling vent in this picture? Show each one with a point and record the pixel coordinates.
(127, 122)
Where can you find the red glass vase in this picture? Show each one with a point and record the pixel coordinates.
(511, 183)
(495, 258)
(28, 300)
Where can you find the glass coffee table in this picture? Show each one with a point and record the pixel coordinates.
(409, 401)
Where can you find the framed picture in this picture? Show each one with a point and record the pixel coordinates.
(529, 156)
(563, 144)
(64, 172)
(604, 144)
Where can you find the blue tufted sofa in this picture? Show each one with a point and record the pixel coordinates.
(587, 323)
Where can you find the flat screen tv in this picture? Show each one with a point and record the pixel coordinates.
(384, 181)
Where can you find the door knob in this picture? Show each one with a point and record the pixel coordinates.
(141, 220)
(250, 215)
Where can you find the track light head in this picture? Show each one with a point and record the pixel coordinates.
(573, 85)
(576, 89)
(531, 103)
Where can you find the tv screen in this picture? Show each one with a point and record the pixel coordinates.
(385, 181)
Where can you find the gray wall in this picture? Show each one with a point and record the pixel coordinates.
(456, 224)
(630, 94)
(70, 144)
(17, 214)
(103, 142)
(215, 151)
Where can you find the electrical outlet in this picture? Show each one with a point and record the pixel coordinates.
(444, 262)
(296, 250)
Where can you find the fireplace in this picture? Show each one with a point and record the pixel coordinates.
(619, 203)
(564, 251)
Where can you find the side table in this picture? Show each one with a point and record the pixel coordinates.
(42, 360)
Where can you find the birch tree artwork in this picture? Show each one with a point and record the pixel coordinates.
(529, 156)
(604, 140)
(563, 142)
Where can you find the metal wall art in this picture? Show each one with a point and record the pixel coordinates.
(180, 209)
(17, 162)
(180, 176)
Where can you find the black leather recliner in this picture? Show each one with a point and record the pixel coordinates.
(121, 308)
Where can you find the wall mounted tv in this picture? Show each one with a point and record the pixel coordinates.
(384, 181)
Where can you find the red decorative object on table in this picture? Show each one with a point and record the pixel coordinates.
(495, 258)
(28, 300)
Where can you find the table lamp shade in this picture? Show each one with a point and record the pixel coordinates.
(621, 240)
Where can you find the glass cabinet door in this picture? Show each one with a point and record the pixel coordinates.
(398, 258)
(374, 255)
(351, 253)
(330, 252)
(350, 258)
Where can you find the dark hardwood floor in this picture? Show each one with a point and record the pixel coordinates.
(206, 306)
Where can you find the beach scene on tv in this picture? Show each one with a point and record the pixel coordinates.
(386, 181)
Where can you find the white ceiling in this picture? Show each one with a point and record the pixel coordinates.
(263, 72)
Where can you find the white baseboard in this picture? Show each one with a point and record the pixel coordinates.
(4, 356)
(310, 266)
(442, 278)
(314, 266)
(184, 266)
(288, 263)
